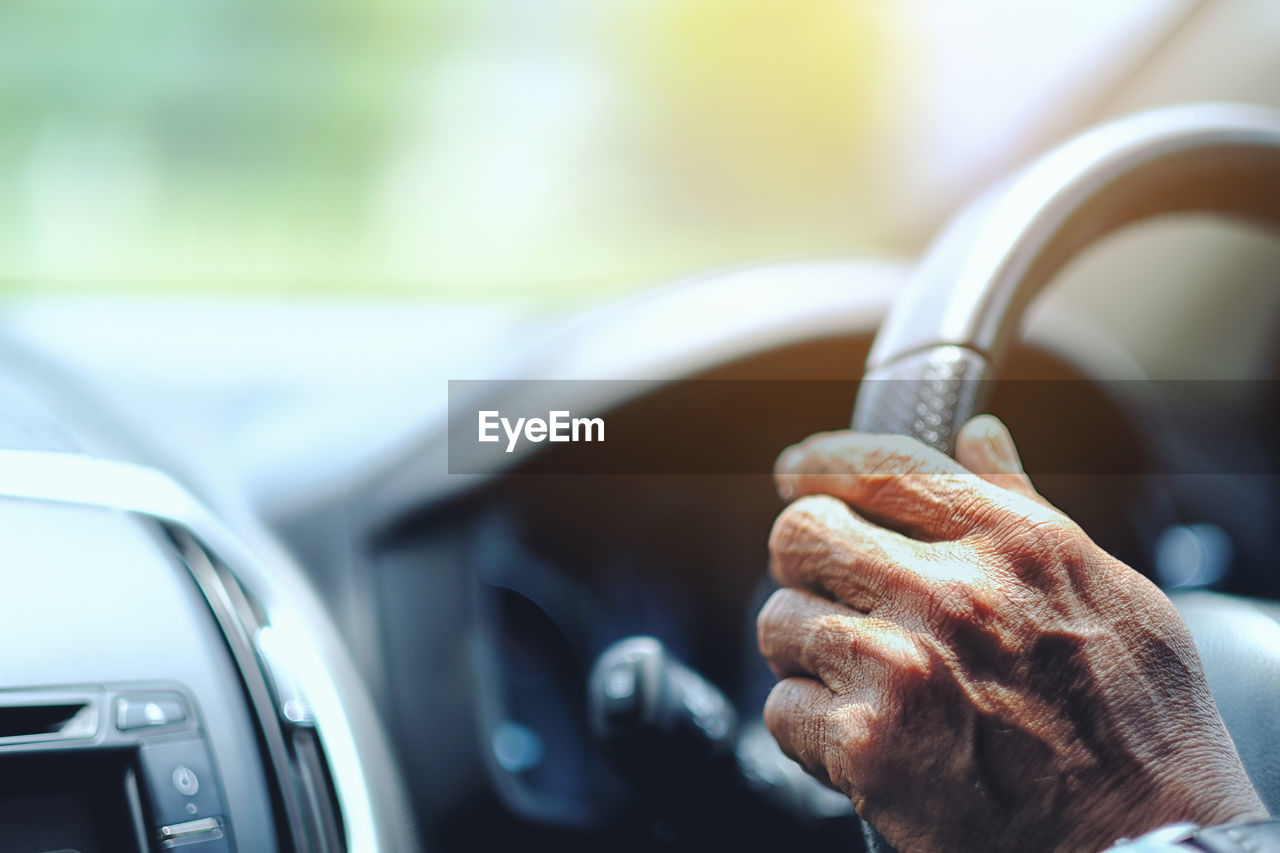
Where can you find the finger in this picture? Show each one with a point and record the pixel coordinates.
(802, 634)
(819, 544)
(889, 478)
(985, 447)
(815, 728)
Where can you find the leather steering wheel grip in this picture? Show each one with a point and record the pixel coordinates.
(947, 332)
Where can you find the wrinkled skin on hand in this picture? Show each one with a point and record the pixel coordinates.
(964, 663)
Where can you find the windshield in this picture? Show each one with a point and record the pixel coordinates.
(545, 151)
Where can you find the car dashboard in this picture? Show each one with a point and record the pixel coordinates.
(555, 565)
(462, 613)
(167, 684)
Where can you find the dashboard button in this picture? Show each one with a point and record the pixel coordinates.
(196, 835)
(150, 711)
(180, 781)
(186, 781)
(209, 845)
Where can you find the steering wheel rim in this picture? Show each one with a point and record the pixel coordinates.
(949, 330)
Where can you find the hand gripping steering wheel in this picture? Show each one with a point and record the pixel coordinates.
(949, 329)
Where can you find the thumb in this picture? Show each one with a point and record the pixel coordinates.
(985, 447)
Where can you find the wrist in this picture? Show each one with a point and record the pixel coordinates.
(1249, 836)
(1202, 794)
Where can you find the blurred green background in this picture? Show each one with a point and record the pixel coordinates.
(442, 148)
(491, 149)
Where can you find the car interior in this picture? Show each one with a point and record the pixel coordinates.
(256, 597)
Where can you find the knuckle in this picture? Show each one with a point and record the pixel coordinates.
(817, 510)
(975, 506)
(802, 523)
(902, 454)
(783, 531)
(771, 612)
(787, 527)
(893, 455)
(1041, 546)
(883, 488)
(828, 650)
(956, 604)
(813, 455)
(913, 665)
(909, 678)
(858, 739)
(974, 501)
(892, 477)
(784, 710)
(1012, 519)
(842, 754)
(774, 620)
(1054, 529)
(777, 710)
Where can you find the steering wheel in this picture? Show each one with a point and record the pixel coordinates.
(948, 331)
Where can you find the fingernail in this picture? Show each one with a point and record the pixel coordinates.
(1000, 444)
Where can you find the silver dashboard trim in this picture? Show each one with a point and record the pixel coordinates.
(317, 658)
